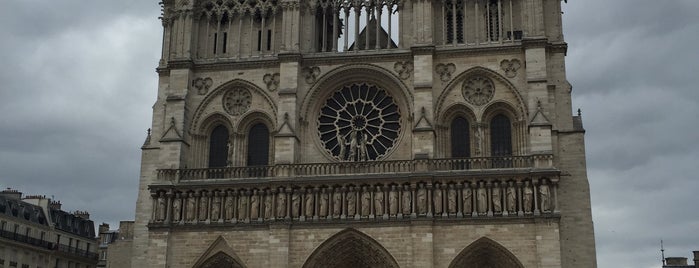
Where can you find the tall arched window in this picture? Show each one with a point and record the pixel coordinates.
(258, 145)
(218, 147)
(460, 137)
(500, 136)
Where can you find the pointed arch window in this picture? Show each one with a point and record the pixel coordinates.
(258, 145)
(218, 147)
(500, 136)
(460, 138)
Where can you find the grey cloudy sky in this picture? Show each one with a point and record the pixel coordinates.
(77, 83)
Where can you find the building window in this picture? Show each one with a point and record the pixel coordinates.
(218, 147)
(258, 145)
(493, 20)
(460, 137)
(500, 136)
(454, 21)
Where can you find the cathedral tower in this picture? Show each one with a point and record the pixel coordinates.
(378, 133)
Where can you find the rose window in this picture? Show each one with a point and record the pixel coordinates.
(359, 122)
(478, 90)
(237, 101)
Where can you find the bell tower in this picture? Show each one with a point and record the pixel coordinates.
(377, 133)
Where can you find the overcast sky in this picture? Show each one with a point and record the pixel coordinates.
(77, 83)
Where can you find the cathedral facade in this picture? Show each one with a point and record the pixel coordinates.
(377, 133)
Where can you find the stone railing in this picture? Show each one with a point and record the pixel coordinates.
(350, 168)
(389, 198)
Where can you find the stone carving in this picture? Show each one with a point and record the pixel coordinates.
(351, 203)
(527, 196)
(281, 204)
(511, 197)
(378, 201)
(216, 207)
(349, 118)
(309, 203)
(451, 200)
(404, 69)
(268, 205)
(407, 200)
(437, 200)
(497, 198)
(366, 202)
(445, 70)
(203, 207)
(237, 101)
(323, 203)
(482, 199)
(229, 206)
(478, 90)
(337, 203)
(177, 208)
(467, 194)
(421, 200)
(191, 207)
(310, 74)
(393, 201)
(162, 207)
(272, 81)
(510, 67)
(295, 204)
(254, 205)
(202, 85)
(243, 206)
(545, 197)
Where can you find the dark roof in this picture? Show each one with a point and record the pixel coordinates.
(22, 210)
(72, 224)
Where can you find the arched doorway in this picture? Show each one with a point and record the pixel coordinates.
(220, 260)
(348, 249)
(485, 253)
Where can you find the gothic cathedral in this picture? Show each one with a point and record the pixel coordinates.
(363, 133)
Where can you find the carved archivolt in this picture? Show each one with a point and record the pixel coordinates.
(478, 90)
(349, 249)
(485, 252)
(390, 201)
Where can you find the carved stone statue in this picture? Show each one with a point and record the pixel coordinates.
(216, 207)
(203, 207)
(295, 204)
(366, 202)
(281, 204)
(497, 198)
(421, 200)
(437, 199)
(511, 197)
(342, 143)
(323, 204)
(482, 198)
(162, 207)
(337, 203)
(527, 197)
(393, 201)
(407, 200)
(363, 154)
(268, 205)
(378, 201)
(451, 200)
(255, 206)
(308, 209)
(545, 196)
(177, 208)
(467, 194)
(229, 206)
(191, 207)
(351, 203)
(352, 146)
(242, 206)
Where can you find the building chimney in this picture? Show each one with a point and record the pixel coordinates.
(676, 261)
(104, 228)
(82, 214)
(56, 205)
(696, 258)
(11, 194)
